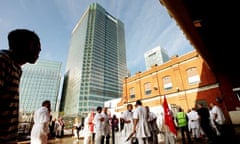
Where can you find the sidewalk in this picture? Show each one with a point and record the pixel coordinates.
(65, 140)
(71, 140)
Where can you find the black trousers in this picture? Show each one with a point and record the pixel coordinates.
(107, 139)
(78, 130)
(184, 130)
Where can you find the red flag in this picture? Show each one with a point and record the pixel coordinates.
(168, 117)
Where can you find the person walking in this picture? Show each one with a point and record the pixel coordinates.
(213, 123)
(62, 123)
(99, 125)
(78, 126)
(87, 130)
(182, 121)
(40, 129)
(59, 126)
(52, 127)
(140, 124)
(115, 123)
(152, 123)
(106, 125)
(193, 122)
(24, 47)
(115, 128)
(127, 118)
(205, 123)
(218, 117)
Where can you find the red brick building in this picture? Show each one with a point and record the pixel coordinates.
(184, 80)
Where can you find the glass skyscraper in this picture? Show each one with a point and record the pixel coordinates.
(96, 62)
(39, 82)
(155, 56)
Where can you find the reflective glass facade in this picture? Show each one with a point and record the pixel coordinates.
(155, 56)
(39, 82)
(96, 62)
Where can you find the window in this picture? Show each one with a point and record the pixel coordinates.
(193, 76)
(167, 83)
(132, 93)
(147, 88)
(237, 93)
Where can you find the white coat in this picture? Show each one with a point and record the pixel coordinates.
(142, 129)
(128, 127)
(40, 130)
(193, 120)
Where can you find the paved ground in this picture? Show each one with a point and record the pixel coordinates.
(229, 140)
(65, 140)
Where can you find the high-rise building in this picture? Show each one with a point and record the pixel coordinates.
(155, 56)
(96, 62)
(39, 82)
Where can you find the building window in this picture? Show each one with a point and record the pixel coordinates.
(167, 83)
(132, 93)
(147, 88)
(237, 93)
(193, 76)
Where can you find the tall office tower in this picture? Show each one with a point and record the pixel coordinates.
(39, 82)
(96, 62)
(155, 56)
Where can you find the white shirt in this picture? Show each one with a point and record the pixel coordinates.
(40, 130)
(220, 119)
(86, 129)
(142, 129)
(127, 116)
(193, 119)
(98, 123)
(128, 127)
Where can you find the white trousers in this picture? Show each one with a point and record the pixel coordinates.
(98, 137)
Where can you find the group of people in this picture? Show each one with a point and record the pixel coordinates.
(56, 127)
(25, 47)
(201, 121)
(44, 126)
(139, 126)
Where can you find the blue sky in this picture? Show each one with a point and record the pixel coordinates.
(147, 25)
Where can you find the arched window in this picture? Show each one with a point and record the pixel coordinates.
(167, 82)
(147, 88)
(193, 76)
(132, 92)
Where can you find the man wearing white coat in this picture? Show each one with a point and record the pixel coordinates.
(140, 123)
(40, 130)
(99, 125)
(128, 123)
(193, 122)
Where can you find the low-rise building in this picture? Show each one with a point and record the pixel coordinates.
(185, 81)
